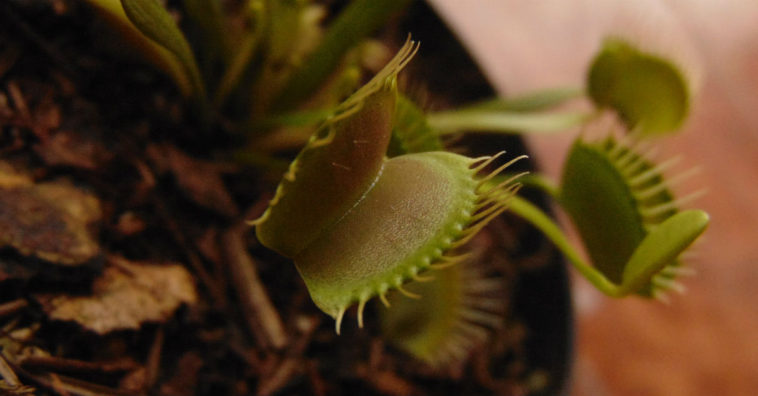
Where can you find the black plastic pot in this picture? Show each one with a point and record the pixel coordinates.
(541, 297)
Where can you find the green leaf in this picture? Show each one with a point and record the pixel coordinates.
(648, 91)
(156, 23)
(210, 33)
(209, 18)
(289, 32)
(239, 62)
(283, 28)
(112, 12)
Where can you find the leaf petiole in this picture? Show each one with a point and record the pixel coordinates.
(508, 122)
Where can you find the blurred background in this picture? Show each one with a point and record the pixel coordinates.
(705, 342)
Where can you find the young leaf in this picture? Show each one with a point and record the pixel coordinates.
(156, 23)
(113, 13)
(239, 62)
(212, 31)
(286, 37)
(648, 91)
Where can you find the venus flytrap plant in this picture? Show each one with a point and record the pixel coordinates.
(358, 224)
(272, 65)
(373, 202)
(629, 221)
(375, 248)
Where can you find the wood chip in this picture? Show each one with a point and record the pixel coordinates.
(125, 296)
(11, 307)
(386, 382)
(50, 221)
(284, 373)
(66, 148)
(263, 319)
(63, 365)
(184, 380)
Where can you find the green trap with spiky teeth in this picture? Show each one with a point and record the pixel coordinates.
(628, 218)
(357, 223)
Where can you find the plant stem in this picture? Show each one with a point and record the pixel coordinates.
(539, 219)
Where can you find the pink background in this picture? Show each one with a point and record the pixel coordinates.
(705, 342)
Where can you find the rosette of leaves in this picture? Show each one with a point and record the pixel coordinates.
(257, 59)
(358, 224)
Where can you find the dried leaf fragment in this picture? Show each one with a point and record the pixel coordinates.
(125, 296)
(48, 220)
